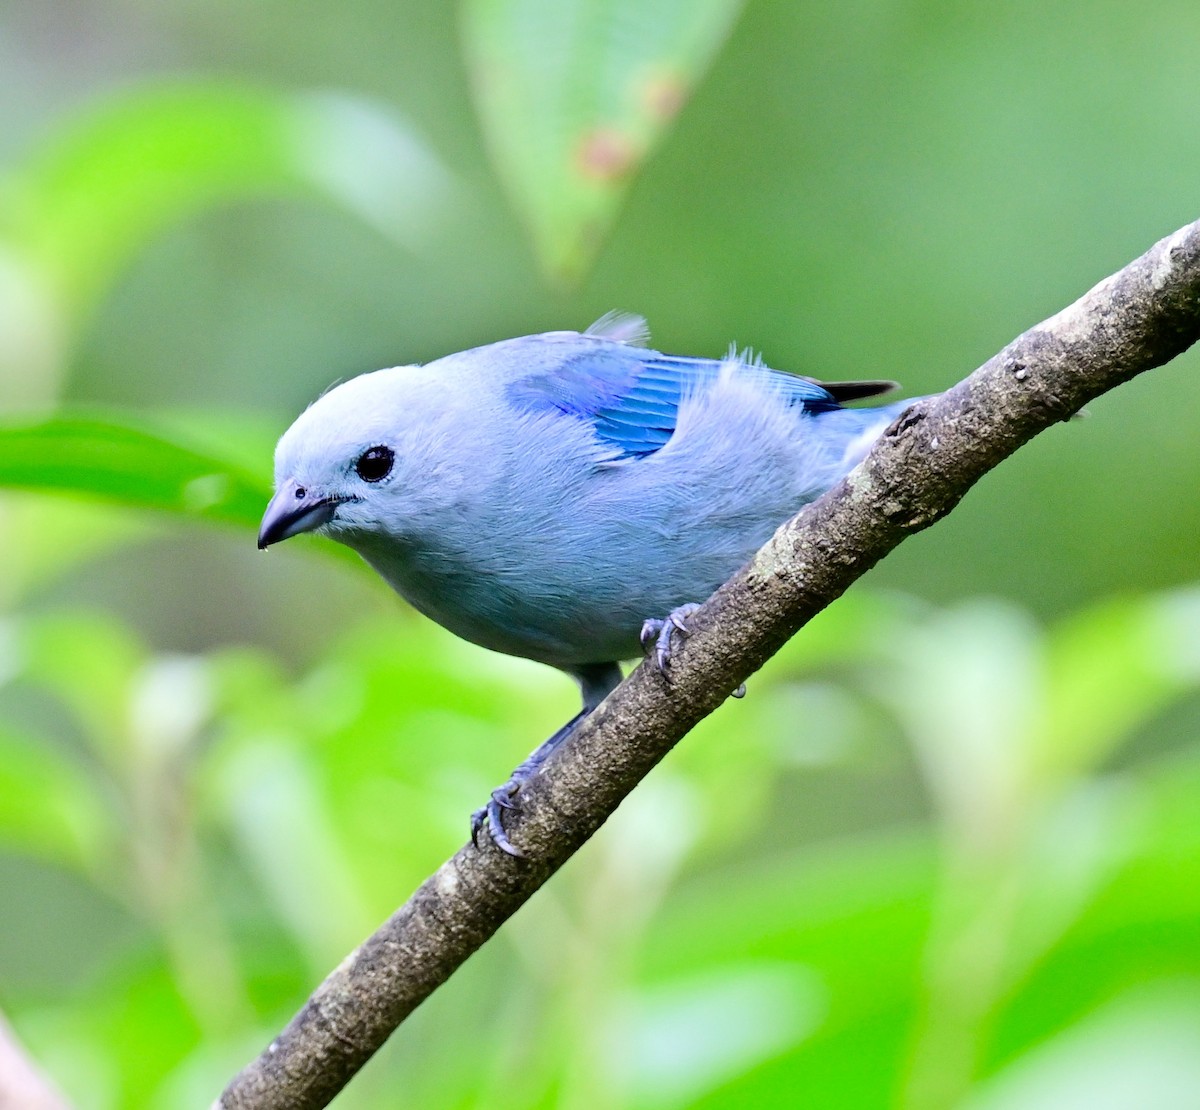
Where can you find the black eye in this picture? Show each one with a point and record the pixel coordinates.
(375, 463)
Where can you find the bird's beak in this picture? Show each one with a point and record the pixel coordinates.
(288, 514)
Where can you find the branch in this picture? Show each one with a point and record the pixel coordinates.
(921, 467)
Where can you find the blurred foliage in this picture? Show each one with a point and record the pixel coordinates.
(946, 853)
(121, 462)
(75, 212)
(573, 97)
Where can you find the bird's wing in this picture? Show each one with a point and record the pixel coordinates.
(632, 396)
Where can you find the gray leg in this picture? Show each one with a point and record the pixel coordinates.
(596, 682)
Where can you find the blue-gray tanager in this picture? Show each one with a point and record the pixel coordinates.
(553, 496)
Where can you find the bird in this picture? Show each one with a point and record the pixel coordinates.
(566, 497)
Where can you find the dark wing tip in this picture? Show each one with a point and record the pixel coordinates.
(856, 391)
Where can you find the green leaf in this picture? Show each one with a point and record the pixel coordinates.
(130, 465)
(1108, 671)
(52, 807)
(82, 205)
(44, 538)
(278, 811)
(967, 685)
(75, 212)
(90, 662)
(122, 1036)
(574, 95)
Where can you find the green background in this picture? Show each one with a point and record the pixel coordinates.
(946, 853)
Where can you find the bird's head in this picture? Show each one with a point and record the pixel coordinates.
(336, 467)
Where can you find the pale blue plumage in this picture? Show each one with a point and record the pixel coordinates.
(543, 496)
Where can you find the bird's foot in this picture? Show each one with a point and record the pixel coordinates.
(502, 799)
(504, 796)
(658, 636)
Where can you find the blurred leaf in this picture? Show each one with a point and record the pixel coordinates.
(72, 216)
(402, 718)
(852, 632)
(855, 910)
(50, 806)
(966, 683)
(279, 816)
(1073, 849)
(89, 662)
(124, 463)
(120, 1038)
(574, 95)
(853, 914)
(1141, 1050)
(1141, 928)
(241, 437)
(94, 195)
(42, 538)
(1107, 671)
(1175, 630)
(684, 1039)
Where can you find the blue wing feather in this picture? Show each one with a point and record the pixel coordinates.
(632, 396)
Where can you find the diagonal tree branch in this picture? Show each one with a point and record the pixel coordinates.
(1139, 318)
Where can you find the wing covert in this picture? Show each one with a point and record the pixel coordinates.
(632, 396)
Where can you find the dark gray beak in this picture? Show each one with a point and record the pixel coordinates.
(293, 510)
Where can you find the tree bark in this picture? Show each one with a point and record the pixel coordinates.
(1138, 318)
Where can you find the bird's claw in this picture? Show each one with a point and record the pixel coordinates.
(657, 636)
(503, 795)
(490, 815)
(596, 681)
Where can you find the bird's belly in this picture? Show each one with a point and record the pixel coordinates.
(573, 582)
(504, 612)
(564, 612)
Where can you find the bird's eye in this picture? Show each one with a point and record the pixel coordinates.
(375, 463)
